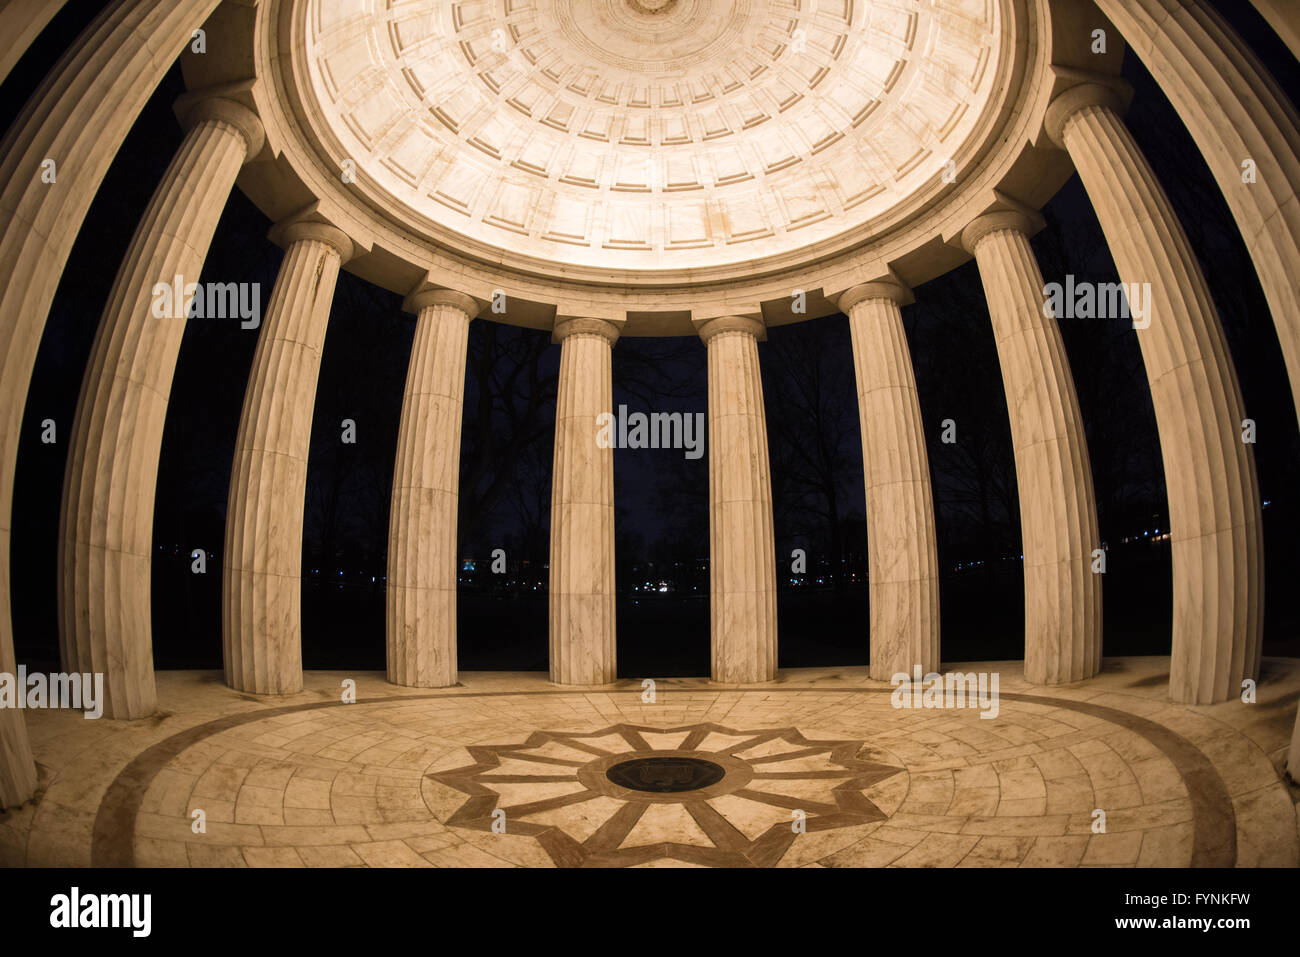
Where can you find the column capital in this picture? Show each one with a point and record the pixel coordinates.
(566, 326)
(421, 299)
(1080, 97)
(750, 327)
(219, 109)
(996, 221)
(889, 289)
(300, 230)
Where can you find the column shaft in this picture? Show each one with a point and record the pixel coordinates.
(262, 566)
(1236, 112)
(1284, 17)
(742, 546)
(1058, 512)
(17, 767)
(1214, 510)
(1293, 753)
(902, 549)
(78, 118)
(583, 633)
(21, 22)
(108, 495)
(422, 557)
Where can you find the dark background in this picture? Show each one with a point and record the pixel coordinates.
(662, 498)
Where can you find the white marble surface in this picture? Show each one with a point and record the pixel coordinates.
(621, 133)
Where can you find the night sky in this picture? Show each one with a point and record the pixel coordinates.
(661, 497)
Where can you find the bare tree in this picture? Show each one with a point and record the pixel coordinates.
(812, 423)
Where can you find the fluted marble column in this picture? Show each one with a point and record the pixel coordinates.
(1235, 112)
(1214, 511)
(1293, 754)
(17, 767)
(21, 22)
(1284, 17)
(902, 549)
(742, 546)
(108, 494)
(583, 647)
(262, 566)
(426, 492)
(79, 118)
(1058, 512)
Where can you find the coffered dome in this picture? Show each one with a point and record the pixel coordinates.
(647, 134)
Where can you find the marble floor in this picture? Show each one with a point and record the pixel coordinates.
(815, 769)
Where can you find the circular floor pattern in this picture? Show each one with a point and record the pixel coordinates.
(760, 790)
(810, 775)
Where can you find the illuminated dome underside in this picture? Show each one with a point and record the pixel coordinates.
(647, 134)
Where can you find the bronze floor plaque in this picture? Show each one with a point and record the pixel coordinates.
(667, 775)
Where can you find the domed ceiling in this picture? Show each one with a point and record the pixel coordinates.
(647, 134)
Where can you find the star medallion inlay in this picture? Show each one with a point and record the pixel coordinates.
(631, 794)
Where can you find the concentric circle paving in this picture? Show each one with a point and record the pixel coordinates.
(835, 777)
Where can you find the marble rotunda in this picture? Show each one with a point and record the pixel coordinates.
(608, 169)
